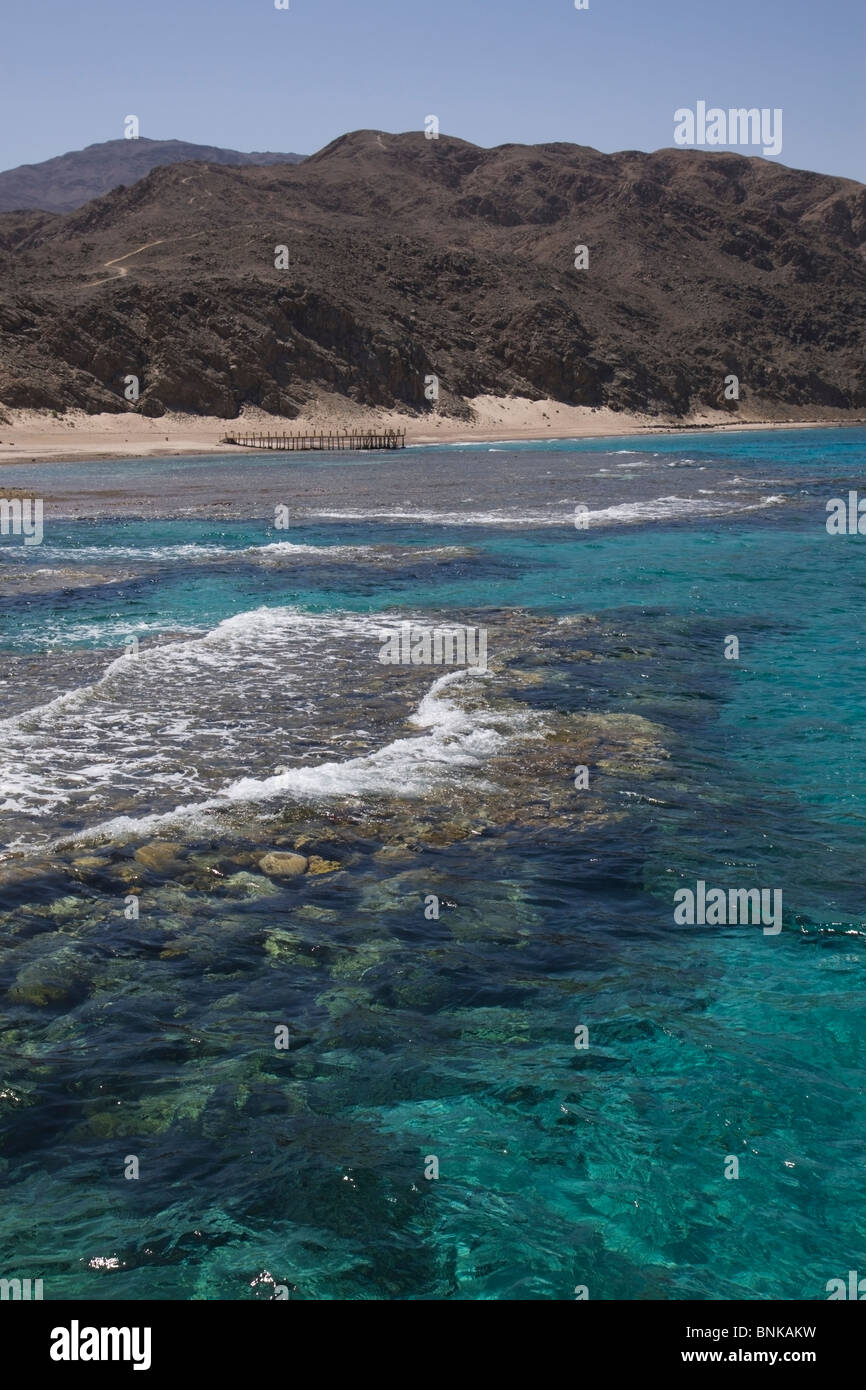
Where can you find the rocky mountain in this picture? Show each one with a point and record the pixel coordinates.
(410, 258)
(70, 180)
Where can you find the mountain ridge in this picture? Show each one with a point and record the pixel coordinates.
(411, 258)
(69, 180)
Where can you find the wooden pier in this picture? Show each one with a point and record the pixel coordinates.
(340, 439)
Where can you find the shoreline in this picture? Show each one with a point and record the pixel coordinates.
(41, 437)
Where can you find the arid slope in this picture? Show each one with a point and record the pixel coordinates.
(410, 258)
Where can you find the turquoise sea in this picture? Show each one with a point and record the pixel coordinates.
(186, 687)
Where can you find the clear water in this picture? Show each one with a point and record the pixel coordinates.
(257, 712)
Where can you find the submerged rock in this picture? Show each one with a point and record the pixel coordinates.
(357, 960)
(160, 856)
(130, 874)
(282, 864)
(289, 948)
(68, 906)
(500, 1026)
(59, 978)
(311, 913)
(317, 865)
(394, 854)
(246, 885)
(33, 882)
(151, 1115)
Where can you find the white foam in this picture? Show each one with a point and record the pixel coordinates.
(453, 740)
(452, 518)
(125, 729)
(190, 551)
(267, 552)
(289, 548)
(666, 508)
(145, 734)
(256, 622)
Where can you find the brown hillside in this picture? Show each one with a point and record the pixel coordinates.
(412, 257)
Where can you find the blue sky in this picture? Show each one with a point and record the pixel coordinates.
(243, 74)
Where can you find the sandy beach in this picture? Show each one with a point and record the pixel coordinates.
(28, 436)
